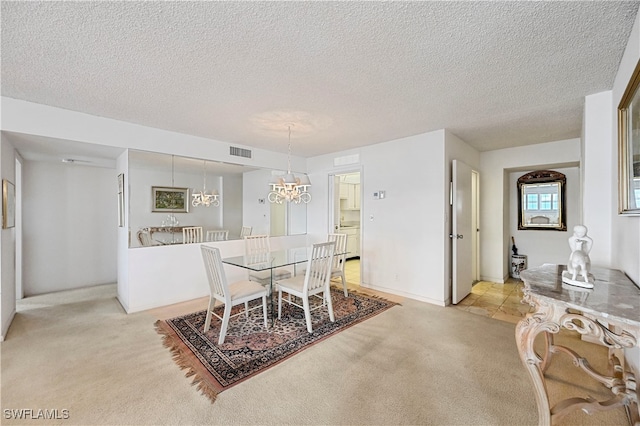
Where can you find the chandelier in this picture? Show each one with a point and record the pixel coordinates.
(289, 187)
(202, 198)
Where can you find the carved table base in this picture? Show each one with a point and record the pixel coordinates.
(555, 308)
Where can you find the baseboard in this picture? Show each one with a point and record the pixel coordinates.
(495, 279)
(5, 330)
(148, 306)
(123, 304)
(405, 294)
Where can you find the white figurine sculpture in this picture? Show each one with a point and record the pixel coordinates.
(579, 261)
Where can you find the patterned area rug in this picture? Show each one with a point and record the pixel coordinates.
(249, 348)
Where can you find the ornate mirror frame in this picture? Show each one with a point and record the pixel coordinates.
(629, 147)
(542, 182)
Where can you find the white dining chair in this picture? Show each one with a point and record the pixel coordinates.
(339, 258)
(217, 235)
(191, 234)
(144, 237)
(314, 282)
(245, 231)
(257, 247)
(236, 293)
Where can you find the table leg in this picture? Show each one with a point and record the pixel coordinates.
(621, 383)
(526, 332)
(273, 312)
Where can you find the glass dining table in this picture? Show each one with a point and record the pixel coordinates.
(269, 261)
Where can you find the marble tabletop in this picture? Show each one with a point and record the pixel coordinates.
(614, 295)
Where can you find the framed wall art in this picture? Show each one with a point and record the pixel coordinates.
(168, 199)
(8, 204)
(629, 147)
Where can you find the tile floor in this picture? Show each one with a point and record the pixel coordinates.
(352, 271)
(495, 300)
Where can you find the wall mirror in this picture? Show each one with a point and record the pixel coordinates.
(629, 147)
(541, 201)
(242, 200)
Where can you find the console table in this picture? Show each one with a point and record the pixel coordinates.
(610, 313)
(172, 230)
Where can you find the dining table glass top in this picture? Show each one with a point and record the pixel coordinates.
(270, 260)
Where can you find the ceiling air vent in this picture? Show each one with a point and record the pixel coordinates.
(240, 152)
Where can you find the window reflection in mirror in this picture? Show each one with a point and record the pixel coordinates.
(243, 191)
(541, 204)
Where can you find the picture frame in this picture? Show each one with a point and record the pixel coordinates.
(121, 200)
(629, 147)
(541, 201)
(169, 199)
(8, 204)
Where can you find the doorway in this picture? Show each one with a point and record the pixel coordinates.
(464, 223)
(18, 230)
(345, 201)
(475, 226)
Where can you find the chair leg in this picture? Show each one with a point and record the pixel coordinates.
(344, 284)
(246, 309)
(207, 321)
(264, 311)
(329, 304)
(279, 303)
(307, 312)
(225, 323)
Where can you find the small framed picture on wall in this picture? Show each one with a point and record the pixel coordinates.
(168, 199)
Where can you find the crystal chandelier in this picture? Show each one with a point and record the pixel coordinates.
(289, 187)
(202, 198)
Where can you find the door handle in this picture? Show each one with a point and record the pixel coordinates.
(457, 236)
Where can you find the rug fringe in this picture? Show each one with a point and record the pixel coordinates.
(181, 359)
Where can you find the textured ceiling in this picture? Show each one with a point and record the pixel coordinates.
(346, 74)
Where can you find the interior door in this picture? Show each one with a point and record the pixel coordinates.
(336, 204)
(461, 231)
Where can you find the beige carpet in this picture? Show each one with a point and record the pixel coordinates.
(413, 364)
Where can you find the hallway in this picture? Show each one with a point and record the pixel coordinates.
(494, 300)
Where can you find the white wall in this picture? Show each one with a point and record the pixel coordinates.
(70, 226)
(625, 243)
(232, 204)
(495, 238)
(546, 246)
(403, 247)
(124, 236)
(597, 171)
(7, 245)
(256, 214)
